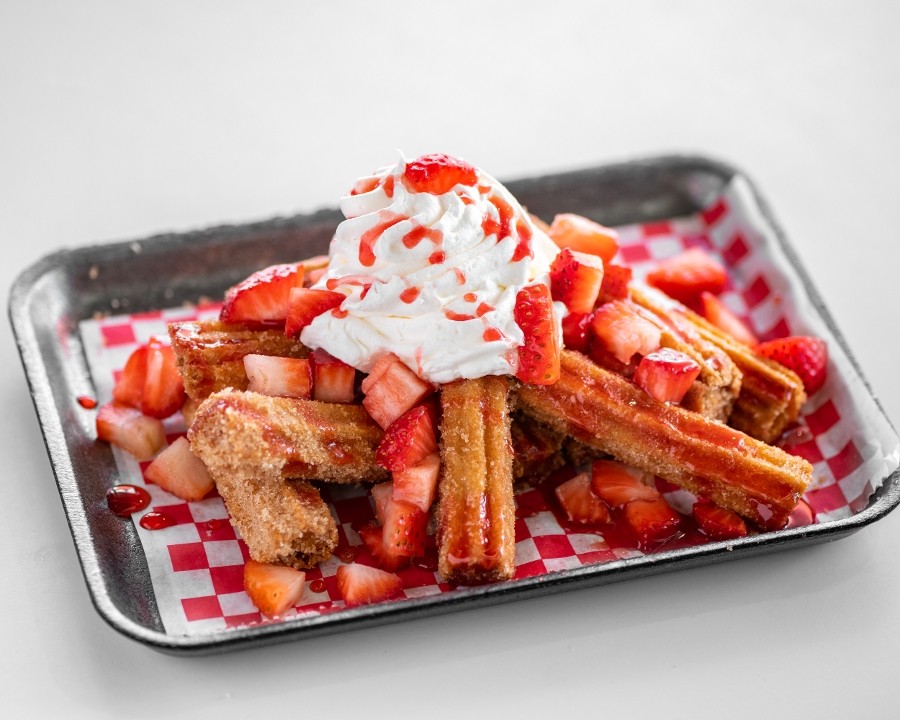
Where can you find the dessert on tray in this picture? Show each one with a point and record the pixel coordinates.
(451, 346)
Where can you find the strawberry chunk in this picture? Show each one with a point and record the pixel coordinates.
(686, 276)
(651, 521)
(273, 589)
(616, 279)
(403, 532)
(717, 522)
(333, 380)
(163, 393)
(178, 471)
(438, 173)
(129, 388)
(305, 305)
(372, 537)
(578, 233)
(807, 356)
(417, 485)
(575, 280)
(408, 440)
(719, 315)
(381, 496)
(539, 355)
(579, 502)
(617, 484)
(624, 330)
(391, 389)
(262, 297)
(280, 376)
(666, 374)
(131, 430)
(361, 584)
(575, 328)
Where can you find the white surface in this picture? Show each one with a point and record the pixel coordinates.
(122, 119)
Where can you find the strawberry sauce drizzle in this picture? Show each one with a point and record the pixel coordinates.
(419, 233)
(461, 317)
(388, 184)
(410, 295)
(484, 309)
(157, 521)
(460, 276)
(123, 500)
(492, 335)
(370, 237)
(436, 258)
(523, 249)
(87, 402)
(317, 586)
(470, 297)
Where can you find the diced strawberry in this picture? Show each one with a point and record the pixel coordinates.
(575, 280)
(408, 440)
(280, 376)
(616, 279)
(417, 484)
(539, 355)
(273, 589)
(372, 536)
(624, 330)
(579, 233)
(163, 387)
(807, 356)
(617, 484)
(581, 505)
(262, 297)
(391, 389)
(403, 531)
(666, 374)
(178, 471)
(575, 331)
(651, 521)
(717, 522)
(439, 173)
(381, 495)
(719, 315)
(333, 380)
(129, 387)
(361, 584)
(305, 305)
(686, 276)
(131, 430)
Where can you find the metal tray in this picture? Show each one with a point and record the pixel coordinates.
(49, 299)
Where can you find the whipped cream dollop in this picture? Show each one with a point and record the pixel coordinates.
(431, 272)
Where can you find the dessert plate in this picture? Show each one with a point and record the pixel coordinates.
(54, 303)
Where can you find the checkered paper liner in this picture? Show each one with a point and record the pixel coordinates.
(196, 566)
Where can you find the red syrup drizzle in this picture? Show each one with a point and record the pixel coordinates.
(483, 309)
(370, 237)
(389, 186)
(460, 276)
(210, 526)
(437, 257)
(419, 233)
(345, 553)
(410, 295)
(124, 500)
(156, 521)
(470, 297)
(87, 402)
(460, 317)
(427, 562)
(317, 586)
(492, 335)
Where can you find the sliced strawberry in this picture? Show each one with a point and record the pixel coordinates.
(624, 330)
(178, 471)
(262, 297)
(273, 589)
(408, 440)
(305, 305)
(616, 279)
(579, 233)
(439, 173)
(280, 376)
(403, 532)
(807, 356)
(361, 584)
(651, 521)
(539, 355)
(129, 388)
(686, 276)
(717, 522)
(417, 485)
(719, 315)
(372, 536)
(163, 387)
(313, 276)
(575, 328)
(131, 430)
(617, 484)
(391, 389)
(579, 502)
(333, 380)
(575, 280)
(381, 495)
(666, 374)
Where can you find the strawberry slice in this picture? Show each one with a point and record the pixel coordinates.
(717, 522)
(403, 532)
(391, 389)
(438, 173)
(280, 376)
(624, 331)
(575, 280)
(807, 356)
(178, 471)
(719, 315)
(131, 430)
(666, 374)
(579, 502)
(539, 355)
(616, 279)
(408, 440)
(163, 393)
(372, 537)
(129, 388)
(417, 485)
(651, 521)
(686, 276)
(578, 233)
(361, 584)
(381, 495)
(305, 304)
(262, 297)
(273, 589)
(617, 484)
(575, 328)
(333, 380)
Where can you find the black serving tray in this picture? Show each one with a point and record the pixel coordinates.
(49, 299)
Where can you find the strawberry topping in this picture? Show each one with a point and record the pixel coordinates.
(391, 389)
(178, 471)
(306, 304)
(579, 233)
(273, 589)
(807, 356)
(666, 374)
(408, 440)
(624, 330)
(579, 502)
(333, 380)
(717, 522)
(686, 276)
(539, 355)
(131, 430)
(361, 584)
(262, 297)
(575, 280)
(617, 484)
(438, 173)
(651, 521)
(719, 315)
(279, 376)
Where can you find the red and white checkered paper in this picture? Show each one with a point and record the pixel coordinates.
(197, 565)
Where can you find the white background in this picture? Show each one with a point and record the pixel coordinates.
(119, 120)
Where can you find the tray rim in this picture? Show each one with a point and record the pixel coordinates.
(51, 423)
